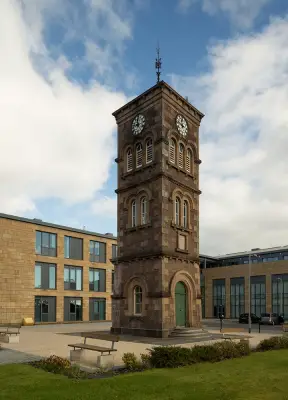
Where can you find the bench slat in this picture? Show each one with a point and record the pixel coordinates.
(91, 347)
(100, 336)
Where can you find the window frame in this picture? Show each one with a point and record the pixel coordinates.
(172, 151)
(188, 161)
(136, 303)
(73, 268)
(139, 155)
(51, 251)
(177, 206)
(93, 256)
(185, 214)
(45, 275)
(68, 247)
(133, 214)
(181, 150)
(101, 285)
(144, 216)
(129, 160)
(149, 151)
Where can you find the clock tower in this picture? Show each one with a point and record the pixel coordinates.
(157, 277)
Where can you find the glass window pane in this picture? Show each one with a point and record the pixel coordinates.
(45, 239)
(52, 277)
(37, 276)
(38, 242)
(53, 241)
(66, 274)
(72, 275)
(66, 247)
(79, 279)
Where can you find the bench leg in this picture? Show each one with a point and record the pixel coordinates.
(9, 338)
(76, 355)
(105, 361)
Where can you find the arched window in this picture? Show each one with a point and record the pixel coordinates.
(129, 160)
(149, 151)
(188, 160)
(172, 151)
(181, 155)
(185, 213)
(137, 300)
(143, 204)
(139, 155)
(133, 213)
(177, 211)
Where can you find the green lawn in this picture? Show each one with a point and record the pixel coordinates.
(259, 376)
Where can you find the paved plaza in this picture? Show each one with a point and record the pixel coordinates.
(45, 340)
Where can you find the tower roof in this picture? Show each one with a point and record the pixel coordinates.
(162, 84)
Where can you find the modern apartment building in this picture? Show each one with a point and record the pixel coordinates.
(225, 283)
(54, 273)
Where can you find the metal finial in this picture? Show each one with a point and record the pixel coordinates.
(158, 64)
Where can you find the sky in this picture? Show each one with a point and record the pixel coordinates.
(66, 65)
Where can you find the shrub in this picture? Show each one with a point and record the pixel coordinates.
(176, 356)
(170, 356)
(145, 360)
(273, 343)
(53, 364)
(131, 362)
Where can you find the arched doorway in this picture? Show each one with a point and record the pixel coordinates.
(180, 304)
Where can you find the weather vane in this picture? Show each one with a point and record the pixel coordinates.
(158, 64)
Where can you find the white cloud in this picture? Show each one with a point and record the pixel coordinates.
(105, 206)
(242, 13)
(56, 137)
(244, 141)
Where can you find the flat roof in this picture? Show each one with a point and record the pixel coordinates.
(277, 249)
(37, 221)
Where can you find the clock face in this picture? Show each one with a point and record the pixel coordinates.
(182, 125)
(138, 124)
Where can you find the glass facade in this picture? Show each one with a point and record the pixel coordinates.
(97, 309)
(72, 309)
(219, 297)
(280, 295)
(258, 295)
(73, 248)
(237, 297)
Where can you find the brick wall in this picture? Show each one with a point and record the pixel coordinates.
(17, 261)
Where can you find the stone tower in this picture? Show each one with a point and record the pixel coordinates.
(157, 278)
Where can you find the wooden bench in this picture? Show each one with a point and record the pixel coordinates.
(96, 336)
(10, 329)
(230, 331)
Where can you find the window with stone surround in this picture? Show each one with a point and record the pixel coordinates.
(172, 151)
(177, 211)
(138, 300)
(185, 213)
(133, 214)
(149, 151)
(182, 242)
(46, 244)
(129, 160)
(72, 278)
(181, 156)
(188, 160)
(45, 276)
(73, 248)
(97, 251)
(97, 280)
(143, 206)
(139, 155)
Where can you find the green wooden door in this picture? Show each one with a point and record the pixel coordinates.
(180, 304)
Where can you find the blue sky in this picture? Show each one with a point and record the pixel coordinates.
(66, 66)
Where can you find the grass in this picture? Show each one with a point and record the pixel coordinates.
(259, 376)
